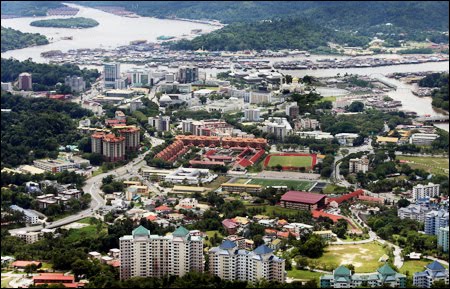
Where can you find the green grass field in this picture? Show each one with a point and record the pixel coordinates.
(438, 166)
(413, 266)
(295, 185)
(210, 234)
(5, 282)
(334, 189)
(304, 274)
(363, 256)
(85, 232)
(290, 161)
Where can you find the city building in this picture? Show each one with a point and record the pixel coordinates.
(7, 86)
(187, 74)
(225, 105)
(59, 165)
(344, 278)
(67, 281)
(413, 212)
(433, 272)
(111, 73)
(240, 188)
(302, 200)
(29, 216)
(435, 220)
(259, 97)
(160, 123)
(422, 191)
(139, 77)
(112, 147)
(423, 139)
(190, 176)
(252, 114)
(359, 165)
(443, 238)
(315, 135)
(136, 104)
(25, 81)
(279, 126)
(29, 237)
(132, 138)
(292, 110)
(346, 139)
(146, 255)
(76, 83)
(231, 263)
(306, 123)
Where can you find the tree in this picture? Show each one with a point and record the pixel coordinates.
(402, 203)
(356, 106)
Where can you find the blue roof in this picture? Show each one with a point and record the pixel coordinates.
(263, 249)
(435, 266)
(227, 244)
(141, 231)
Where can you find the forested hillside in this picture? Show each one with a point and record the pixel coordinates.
(28, 8)
(14, 39)
(35, 128)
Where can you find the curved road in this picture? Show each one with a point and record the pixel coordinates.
(91, 187)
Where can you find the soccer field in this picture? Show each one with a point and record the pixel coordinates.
(295, 185)
(290, 161)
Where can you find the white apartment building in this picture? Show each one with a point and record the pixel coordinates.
(359, 165)
(29, 237)
(190, 176)
(443, 238)
(422, 139)
(422, 191)
(433, 272)
(413, 212)
(230, 263)
(160, 123)
(30, 217)
(252, 114)
(278, 126)
(314, 134)
(145, 255)
(307, 123)
(257, 97)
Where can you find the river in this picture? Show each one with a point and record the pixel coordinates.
(111, 32)
(114, 31)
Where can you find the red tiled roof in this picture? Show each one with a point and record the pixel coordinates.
(163, 208)
(115, 263)
(52, 277)
(302, 197)
(370, 199)
(152, 218)
(229, 223)
(20, 263)
(283, 234)
(316, 214)
(346, 197)
(245, 163)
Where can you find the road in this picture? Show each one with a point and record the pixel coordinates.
(339, 179)
(91, 187)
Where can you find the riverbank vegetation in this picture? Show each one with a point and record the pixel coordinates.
(73, 22)
(29, 8)
(440, 94)
(14, 39)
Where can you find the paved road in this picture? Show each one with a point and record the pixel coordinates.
(339, 179)
(91, 187)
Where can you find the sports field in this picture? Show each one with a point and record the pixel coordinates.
(438, 166)
(363, 256)
(288, 160)
(291, 184)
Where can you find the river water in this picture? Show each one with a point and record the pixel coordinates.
(114, 31)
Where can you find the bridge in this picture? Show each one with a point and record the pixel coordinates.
(383, 79)
(437, 118)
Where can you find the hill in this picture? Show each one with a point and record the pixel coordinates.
(14, 39)
(28, 8)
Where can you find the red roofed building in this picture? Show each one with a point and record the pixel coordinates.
(371, 199)
(57, 96)
(57, 278)
(163, 209)
(316, 214)
(22, 264)
(230, 226)
(151, 218)
(283, 235)
(335, 202)
(302, 200)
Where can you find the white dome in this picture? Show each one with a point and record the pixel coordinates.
(165, 98)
